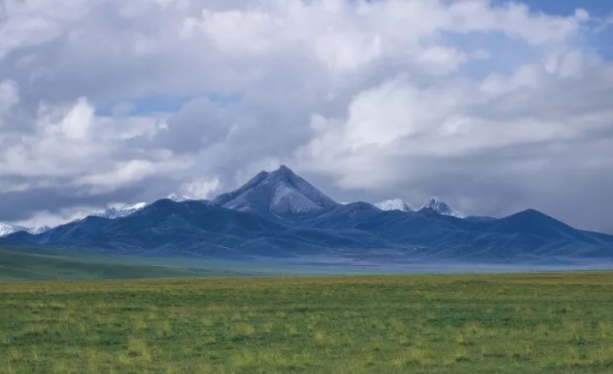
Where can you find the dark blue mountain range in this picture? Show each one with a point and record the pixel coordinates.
(279, 214)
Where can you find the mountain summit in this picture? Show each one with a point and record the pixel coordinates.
(394, 204)
(278, 192)
(112, 213)
(441, 208)
(178, 198)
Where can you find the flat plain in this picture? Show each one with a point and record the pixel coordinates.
(504, 323)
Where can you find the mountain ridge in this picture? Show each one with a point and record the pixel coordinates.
(279, 214)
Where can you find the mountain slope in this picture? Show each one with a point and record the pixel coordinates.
(280, 192)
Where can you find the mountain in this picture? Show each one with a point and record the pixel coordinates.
(394, 204)
(442, 208)
(280, 215)
(195, 228)
(280, 192)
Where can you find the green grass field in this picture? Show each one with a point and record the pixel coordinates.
(532, 323)
(40, 264)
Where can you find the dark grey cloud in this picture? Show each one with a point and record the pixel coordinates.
(22, 205)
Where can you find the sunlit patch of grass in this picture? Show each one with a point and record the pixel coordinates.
(35, 354)
(420, 357)
(62, 367)
(461, 355)
(205, 369)
(93, 362)
(271, 358)
(267, 327)
(15, 354)
(542, 329)
(464, 341)
(292, 330)
(242, 330)
(605, 329)
(139, 323)
(162, 329)
(320, 338)
(576, 332)
(243, 358)
(523, 353)
(213, 308)
(7, 369)
(206, 321)
(413, 357)
(137, 348)
(603, 357)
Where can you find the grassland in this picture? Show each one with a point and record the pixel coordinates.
(534, 323)
(42, 264)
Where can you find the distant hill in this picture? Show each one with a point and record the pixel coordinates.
(36, 264)
(281, 215)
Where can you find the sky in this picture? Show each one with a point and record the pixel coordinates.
(492, 106)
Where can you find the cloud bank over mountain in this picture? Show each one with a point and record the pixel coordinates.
(492, 106)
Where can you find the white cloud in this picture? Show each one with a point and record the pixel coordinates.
(58, 218)
(9, 98)
(21, 32)
(383, 114)
(129, 172)
(582, 14)
(75, 124)
(9, 95)
(462, 99)
(202, 188)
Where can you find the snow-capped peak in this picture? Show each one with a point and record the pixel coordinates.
(442, 208)
(178, 198)
(8, 229)
(126, 210)
(279, 192)
(394, 204)
(136, 206)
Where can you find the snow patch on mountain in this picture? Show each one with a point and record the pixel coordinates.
(394, 204)
(8, 229)
(278, 192)
(442, 208)
(39, 229)
(120, 212)
(178, 198)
